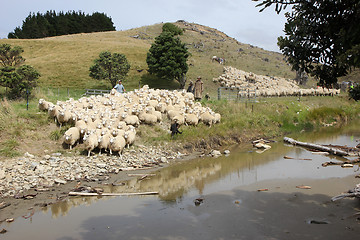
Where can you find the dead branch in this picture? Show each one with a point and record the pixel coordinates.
(111, 194)
(343, 164)
(332, 150)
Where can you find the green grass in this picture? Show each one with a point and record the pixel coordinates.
(64, 66)
(8, 148)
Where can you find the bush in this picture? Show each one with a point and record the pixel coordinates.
(354, 93)
(175, 30)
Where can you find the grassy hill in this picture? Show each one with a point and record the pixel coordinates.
(64, 61)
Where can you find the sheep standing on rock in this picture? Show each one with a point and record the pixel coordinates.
(90, 142)
(71, 136)
(130, 137)
(104, 142)
(117, 144)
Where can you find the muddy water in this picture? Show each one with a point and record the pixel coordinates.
(173, 213)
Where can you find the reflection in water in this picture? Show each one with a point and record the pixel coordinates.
(242, 166)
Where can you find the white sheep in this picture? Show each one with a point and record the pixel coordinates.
(131, 119)
(130, 137)
(104, 142)
(172, 113)
(54, 111)
(207, 118)
(44, 105)
(148, 118)
(154, 112)
(71, 136)
(117, 144)
(180, 119)
(90, 141)
(191, 119)
(63, 117)
(116, 132)
(82, 126)
(217, 117)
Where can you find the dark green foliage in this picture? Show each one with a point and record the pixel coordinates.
(167, 58)
(19, 79)
(10, 56)
(53, 24)
(354, 93)
(112, 67)
(321, 37)
(175, 30)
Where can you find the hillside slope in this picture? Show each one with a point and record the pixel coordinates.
(64, 61)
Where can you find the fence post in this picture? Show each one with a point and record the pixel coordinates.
(219, 93)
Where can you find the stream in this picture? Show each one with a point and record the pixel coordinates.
(175, 213)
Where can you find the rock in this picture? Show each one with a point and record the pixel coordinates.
(101, 165)
(60, 181)
(34, 165)
(2, 174)
(28, 155)
(262, 146)
(215, 153)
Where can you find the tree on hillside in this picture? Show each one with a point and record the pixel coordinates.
(167, 58)
(13, 75)
(322, 37)
(55, 24)
(112, 67)
(169, 27)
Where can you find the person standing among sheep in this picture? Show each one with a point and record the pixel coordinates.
(199, 88)
(191, 87)
(119, 87)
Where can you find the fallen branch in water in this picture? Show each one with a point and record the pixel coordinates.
(111, 194)
(331, 150)
(352, 193)
(4, 205)
(343, 164)
(140, 174)
(287, 157)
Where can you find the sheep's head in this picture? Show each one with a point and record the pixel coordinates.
(68, 137)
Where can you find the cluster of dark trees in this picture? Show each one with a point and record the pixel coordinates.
(56, 24)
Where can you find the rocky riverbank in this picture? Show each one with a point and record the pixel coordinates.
(33, 172)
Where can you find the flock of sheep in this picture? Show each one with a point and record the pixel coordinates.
(264, 86)
(109, 122)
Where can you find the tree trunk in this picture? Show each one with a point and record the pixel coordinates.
(333, 151)
(182, 81)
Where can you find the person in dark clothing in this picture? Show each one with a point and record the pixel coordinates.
(191, 87)
(174, 128)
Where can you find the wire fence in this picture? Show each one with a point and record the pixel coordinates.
(237, 94)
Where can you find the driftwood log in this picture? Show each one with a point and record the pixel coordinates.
(348, 163)
(111, 194)
(331, 150)
(352, 193)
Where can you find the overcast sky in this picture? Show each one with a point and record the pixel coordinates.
(236, 18)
